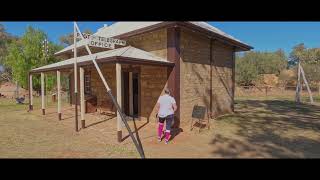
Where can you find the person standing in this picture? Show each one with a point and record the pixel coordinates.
(165, 108)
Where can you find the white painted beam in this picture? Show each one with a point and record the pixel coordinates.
(82, 100)
(42, 94)
(59, 93)
(30, 92)
(119, 99)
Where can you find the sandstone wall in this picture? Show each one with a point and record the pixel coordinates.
(195, 75)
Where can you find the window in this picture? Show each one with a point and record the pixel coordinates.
(87, 84)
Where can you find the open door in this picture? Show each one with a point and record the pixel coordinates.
(130, 94)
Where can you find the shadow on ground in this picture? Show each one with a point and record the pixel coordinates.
(270, 128)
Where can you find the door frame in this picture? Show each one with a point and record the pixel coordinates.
(138, 71)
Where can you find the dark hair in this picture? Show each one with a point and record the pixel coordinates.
(167, 91)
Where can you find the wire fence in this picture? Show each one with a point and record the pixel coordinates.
(276, 92)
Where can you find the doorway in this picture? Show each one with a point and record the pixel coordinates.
(130, 94)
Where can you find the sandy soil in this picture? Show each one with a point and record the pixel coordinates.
(258, 129)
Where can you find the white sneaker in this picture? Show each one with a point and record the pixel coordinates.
(166, 142)
(159, 139)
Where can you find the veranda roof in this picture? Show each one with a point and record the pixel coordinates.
(120, 28)
(127, 54)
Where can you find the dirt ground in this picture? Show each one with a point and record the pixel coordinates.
(260, 128)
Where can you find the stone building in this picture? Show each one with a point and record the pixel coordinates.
(193, 59)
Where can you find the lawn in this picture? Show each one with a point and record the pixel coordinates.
(260, 128)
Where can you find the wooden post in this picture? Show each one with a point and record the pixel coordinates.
(30, 93)
(59, 94)
(307, 84)
(266, 91)
(75, 76)
(119, 91)
(298, 88)
(130, 94)
(70, 90)
(42, 95)
(211, 74)
(233, 77)
(82, 102)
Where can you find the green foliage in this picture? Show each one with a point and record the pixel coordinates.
(67, 39)
(5, 40)
(310, 61)
(253, 64)
(246, 71)
(27, 53)
(312, 71)
(296, 54)
(305, 55)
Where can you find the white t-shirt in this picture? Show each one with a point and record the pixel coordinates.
(166, 105)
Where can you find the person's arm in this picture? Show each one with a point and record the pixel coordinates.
(157, 108)
(174, 107)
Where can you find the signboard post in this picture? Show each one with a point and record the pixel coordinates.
(75, 76)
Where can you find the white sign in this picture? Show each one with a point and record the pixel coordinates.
(96, 43)
(85, 35)
(109, 40)
(103, 42)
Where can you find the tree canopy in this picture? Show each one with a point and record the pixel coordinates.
(309, 59)
(67, 39)
(5, 40)
(252, 64)
(27, 53)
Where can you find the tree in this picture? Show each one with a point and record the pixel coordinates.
(26, 54)
(310, 61)
(252, 64)
(298, 53)
(5, 40)
(67, 40)
(312, 71)
(246, 71)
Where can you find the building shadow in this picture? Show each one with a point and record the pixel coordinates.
(272, 129)
(102, 121)
(175, 132)
(137, 134)
(68, 117)
(136, 130)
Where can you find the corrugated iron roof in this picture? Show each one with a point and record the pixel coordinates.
(126, 52)
(123, 27)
